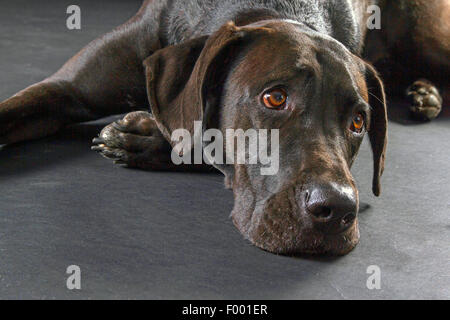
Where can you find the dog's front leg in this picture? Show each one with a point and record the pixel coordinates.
(38, 111)
(136, 142)
(105, 78)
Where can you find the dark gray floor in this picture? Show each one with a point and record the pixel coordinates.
(168, 235)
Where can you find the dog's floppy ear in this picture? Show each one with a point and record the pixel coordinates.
(168, 74)
(378, 131)
(180, 77)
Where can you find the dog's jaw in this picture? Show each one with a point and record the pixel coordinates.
(278, 225)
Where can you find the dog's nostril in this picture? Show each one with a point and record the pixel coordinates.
(322, 213)
(349, 218)
(307, 196)
(332, 209)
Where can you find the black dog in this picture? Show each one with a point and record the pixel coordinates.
(295, 66)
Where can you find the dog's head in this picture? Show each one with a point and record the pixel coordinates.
(320, 97)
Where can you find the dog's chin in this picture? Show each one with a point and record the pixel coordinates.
(297, 241)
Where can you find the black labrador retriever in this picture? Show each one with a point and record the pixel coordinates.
(294, 66)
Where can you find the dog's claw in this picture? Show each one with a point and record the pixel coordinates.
(98, 147)
(98, 141)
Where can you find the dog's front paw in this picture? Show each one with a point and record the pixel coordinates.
(426, 100)
(135, 141)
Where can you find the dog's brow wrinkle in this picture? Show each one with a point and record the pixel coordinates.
(302, 67)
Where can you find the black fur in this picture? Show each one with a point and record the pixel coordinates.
(182, 20)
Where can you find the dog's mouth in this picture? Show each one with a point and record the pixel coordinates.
(291, 223)
(329, 244)
(287, 237)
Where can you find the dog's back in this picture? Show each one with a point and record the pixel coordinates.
(340, 19)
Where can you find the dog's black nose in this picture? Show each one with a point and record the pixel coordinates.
(332, 207)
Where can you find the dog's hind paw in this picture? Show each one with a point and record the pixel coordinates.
(426, 100)
(135, 141)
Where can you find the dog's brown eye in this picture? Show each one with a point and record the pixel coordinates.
(357, 123)
(275, 99)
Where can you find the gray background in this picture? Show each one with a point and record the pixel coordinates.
(168, 235)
